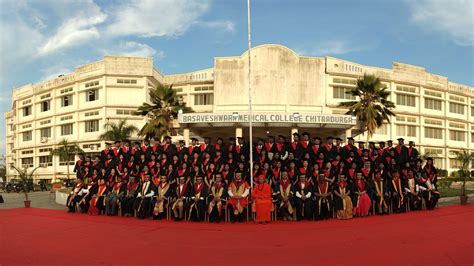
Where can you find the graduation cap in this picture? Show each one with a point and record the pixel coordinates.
(318, 138)
(219, 138)
(181, 141)
(232, 138)
(271, 137)
(371, 142)
(281, 136)
(350, 138)
(260, 139)
(418, 160)
(429, 158)
(400, 139)
(296, 134)
(240, 138)
(80, 153)
(167, 137)
(305, 134)
(137, 142)
(207, 138)
(126, 141)
(411, 142)
(338, 139)
(360, 142)
(330, 137)
(194, 139)
(381, 142)
(117, 141)
(389, 141)
(108, 143)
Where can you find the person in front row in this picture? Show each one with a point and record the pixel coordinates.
(238, 191)
(145, 193)
(397, 196)
(322, 196)
(129, 198)
(217, 198)
(163, 194)
(284, 197)
(429, 192)
(113, 198)
(380, 194)
(97, 203)
(342, 199)
(182, 193)
(75, 196)
(412, 192)
(262, 196)
(361, 199)
(303, 199)
(197, 208)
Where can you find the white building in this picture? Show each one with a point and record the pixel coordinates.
(290, 93)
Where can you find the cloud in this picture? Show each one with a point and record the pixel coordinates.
(454, 18)
(134, 49)
(335, 47)
(54, 71)
(225, 25)
(75, 31)
(150, 18)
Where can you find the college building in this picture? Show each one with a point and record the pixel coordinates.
(290, 93)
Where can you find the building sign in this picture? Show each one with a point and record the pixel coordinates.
(259, 117)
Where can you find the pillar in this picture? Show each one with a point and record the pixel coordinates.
(238, 132)
(348, 134)
(186, 136)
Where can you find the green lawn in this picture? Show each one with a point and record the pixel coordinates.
(452, 192)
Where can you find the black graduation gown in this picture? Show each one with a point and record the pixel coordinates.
(304, 207)
(142, 206)
(322, 205)
(381, 202)
(197, 202)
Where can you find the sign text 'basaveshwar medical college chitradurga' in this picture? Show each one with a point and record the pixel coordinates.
(266, 118)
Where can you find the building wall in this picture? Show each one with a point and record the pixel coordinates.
(428, 105)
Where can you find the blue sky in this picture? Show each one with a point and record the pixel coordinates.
(44, 38)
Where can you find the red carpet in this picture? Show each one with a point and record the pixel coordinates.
(37, 236)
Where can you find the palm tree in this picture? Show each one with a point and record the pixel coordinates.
(161, 112)
(465, 158)
(64, 151)
(118, 131)
(26, 178)
(372, 108)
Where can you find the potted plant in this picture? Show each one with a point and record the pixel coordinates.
(464, 173)
(25, 178)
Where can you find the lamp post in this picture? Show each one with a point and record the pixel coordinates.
(250, 96)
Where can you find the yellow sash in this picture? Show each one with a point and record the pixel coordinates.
(286, 193)
(379, 189)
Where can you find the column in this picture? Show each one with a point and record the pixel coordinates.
(348, 134)
(238, 132)
(186, 136)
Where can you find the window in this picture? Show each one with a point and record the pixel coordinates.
(45, 96)
(27, 162)
(472, 111)
(126, 81)
(203, 99)
(92, 95)
(345, 81)
(433, 104)
(91, 113)
(457, 125)
(342, 93)
(125, 112)
(92, 126)
(46, 132)
(64, 118)
(27, 111)
(26, 126)
(433, 151)
(178, 89)
(45, 122)
(406, 100)
(456, 108)
(92, 84)
(66, 101)
(65, 90)
(453, 163)
(205, 88)
(433, 122)
(46, 160)
(72, 160)
(66, 129)
(433, 94)
(406, 89)
(433, 133)
(45, 106)
(27, 135)
(456, 98)
(27, 152)
(25, 102)
(457, 135)
(406, 130)
(45, 150)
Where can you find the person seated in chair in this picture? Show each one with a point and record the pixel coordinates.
(283, 194)
(114, 197)
(412, 192)
(397, 196)
(429, 191)
(216, 198)
(145, 193)
(380, 194)
(75, 196)
(97, 202)
(163, 194)
(342, 199)
(303, 192)
(129, 198)
(238, 191)
(197, 208)
(183, 192)
(322, 198)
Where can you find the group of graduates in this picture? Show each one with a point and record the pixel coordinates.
(300, 179)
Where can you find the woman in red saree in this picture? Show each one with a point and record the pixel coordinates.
(262, 196)
(361, 199)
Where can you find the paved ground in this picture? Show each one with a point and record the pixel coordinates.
(38, 200)
(46, 201)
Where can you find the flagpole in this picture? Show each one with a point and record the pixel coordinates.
(250, 97)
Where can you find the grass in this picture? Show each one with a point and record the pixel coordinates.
(452, 192)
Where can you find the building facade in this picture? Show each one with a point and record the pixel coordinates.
(289, 93)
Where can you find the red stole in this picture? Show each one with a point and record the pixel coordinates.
(117, 187)
(315, 148)
(198, 188)
(304, 144)
(360, 185)
(181, 191)
(132, 186)
(116, 151)
(279, 147)
(203, 147)
(293, 145)
(328, 147)
(323, 187)
(268, 146)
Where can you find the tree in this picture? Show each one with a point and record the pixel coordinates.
(465, 158)
(161, 112)
(372, 108)
(25, 178)
(118, 131)
(64, 151)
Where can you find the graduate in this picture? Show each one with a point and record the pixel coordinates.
(75, 195)
(182, 195)
(361, 199)
(283, 192)
(197, 208)
(397, 197)
(342, 199)
(262, 200)
(145, 193)
(322, 198)
(303, 191)
(412, 192)
(129, 198)
(429, 192)
(380, 194)
(163, 194)
(217, 199)
(97, 202)
(238, 191)
(114, 196)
